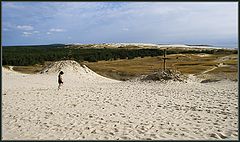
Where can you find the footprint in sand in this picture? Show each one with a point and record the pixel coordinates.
(218, 136)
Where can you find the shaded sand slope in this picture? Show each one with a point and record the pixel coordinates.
(99, 108)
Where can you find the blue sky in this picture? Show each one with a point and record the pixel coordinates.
(27, 23)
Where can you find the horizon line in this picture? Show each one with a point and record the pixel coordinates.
(188, 44)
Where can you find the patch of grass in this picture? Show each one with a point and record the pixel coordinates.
(6, 66)
(196, 63)
(219, 76)
(186, 63)
(116, 75)
(133, 66)
(230, 62)
(210, 80)
(230, 69)
(28, 69)
(209, 63)
(192, 69)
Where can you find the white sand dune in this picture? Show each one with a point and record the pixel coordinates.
(92, 107)
(75, 70)
(151, 45)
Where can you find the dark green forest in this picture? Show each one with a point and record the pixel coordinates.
(30, 55)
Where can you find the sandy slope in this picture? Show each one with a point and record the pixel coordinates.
(93, 107)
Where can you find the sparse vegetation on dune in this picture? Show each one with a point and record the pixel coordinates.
(124, 69)
(28, 69)
(187, 64)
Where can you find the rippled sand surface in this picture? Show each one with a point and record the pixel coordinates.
(97, 108)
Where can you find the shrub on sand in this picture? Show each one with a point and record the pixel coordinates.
(164, 75)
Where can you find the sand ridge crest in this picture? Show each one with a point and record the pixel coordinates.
(65, 66)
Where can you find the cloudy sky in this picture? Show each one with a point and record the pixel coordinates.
(214, 23)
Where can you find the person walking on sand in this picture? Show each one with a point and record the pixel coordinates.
(60, 81)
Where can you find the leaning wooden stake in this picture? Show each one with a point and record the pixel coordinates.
(164, 59)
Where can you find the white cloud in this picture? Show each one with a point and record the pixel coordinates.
(30, 33)
(5, 29)
(56, 30)
(36, 32)
(148, 21)
(25, 27)
(27, 33)
(11, 5)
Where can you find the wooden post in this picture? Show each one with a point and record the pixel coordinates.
(164, 59)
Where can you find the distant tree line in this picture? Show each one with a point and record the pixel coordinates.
(30, 55)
